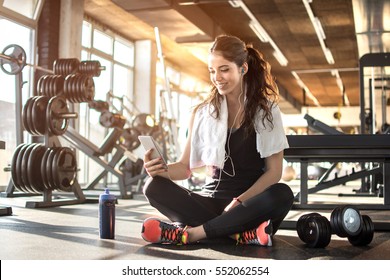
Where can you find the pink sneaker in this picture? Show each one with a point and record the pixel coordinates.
(262, 235)
(156, 231)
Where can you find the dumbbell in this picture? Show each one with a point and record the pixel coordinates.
(316, 230)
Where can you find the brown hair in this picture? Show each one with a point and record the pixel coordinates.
(261, 91)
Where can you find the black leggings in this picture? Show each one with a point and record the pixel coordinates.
(192, 209)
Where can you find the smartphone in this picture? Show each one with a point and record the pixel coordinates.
(149, 143)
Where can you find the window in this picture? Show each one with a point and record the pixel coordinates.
(114, 85)
(12, 33)
(26, 8)
(185, 91)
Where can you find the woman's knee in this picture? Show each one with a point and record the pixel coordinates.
(152, 186)
(284, 193)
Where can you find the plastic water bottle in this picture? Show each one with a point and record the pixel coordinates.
(107, 215)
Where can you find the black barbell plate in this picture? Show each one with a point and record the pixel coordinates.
(77, 88)
(30, 112)
(56, 125)
(325, 233)
(317, 232)
(39, 114)
(14, 172)
(74, 89)
(51, 86)
(302, 223)
(41, 85)
(46, 86)
(25, 115)
(44, 81)
(25, 180)
(310, 232)
(64, 169)
(34, 168)
(43, 169)
(366, 235)
(335, 221)
(24, 163)
(59, 84)
(19, 168)
(48, 169)
(89, 89)
(66, 87)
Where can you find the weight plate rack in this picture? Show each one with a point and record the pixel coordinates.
(47, 115)
(41, 168)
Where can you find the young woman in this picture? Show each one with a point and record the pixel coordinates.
(238, 136)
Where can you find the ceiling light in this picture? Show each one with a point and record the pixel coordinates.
(280, 58)
(234, 4)
(318, 27)
(319, 31)
(306, 89)
(259, 31)
(340, 85)
(328, 55)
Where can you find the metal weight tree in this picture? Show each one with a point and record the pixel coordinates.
(40, 168)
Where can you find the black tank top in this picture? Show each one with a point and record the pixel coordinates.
(243, 166)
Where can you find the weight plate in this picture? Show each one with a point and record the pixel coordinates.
(30, 121)
(43, 169)
(39, 114)
(76, 92)
(59, 85)
(64, 169)
(351, 221)
(25, 115)
(17, 60)
(40, 85)
(14, 172)
(57, 106)
(34, 168)
(69, 86)
(43, 85)
(346, 221)
(48, 169)
(326, 233)
(302, 224)
(88, 89)
(335, 222)
(48, 86)
(19, 168)
(311, 232)
(318, 232)
(24, 163)
(66, 87)
(366, 235)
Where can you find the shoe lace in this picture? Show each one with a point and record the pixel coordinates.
(248, 237)
(171, 233)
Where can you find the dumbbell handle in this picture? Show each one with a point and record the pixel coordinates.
(66, 116)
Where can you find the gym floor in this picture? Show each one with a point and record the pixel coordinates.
(71, 233)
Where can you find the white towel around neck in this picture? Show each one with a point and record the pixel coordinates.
(209, 136)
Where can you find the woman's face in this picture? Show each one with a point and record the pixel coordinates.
(225, 75)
